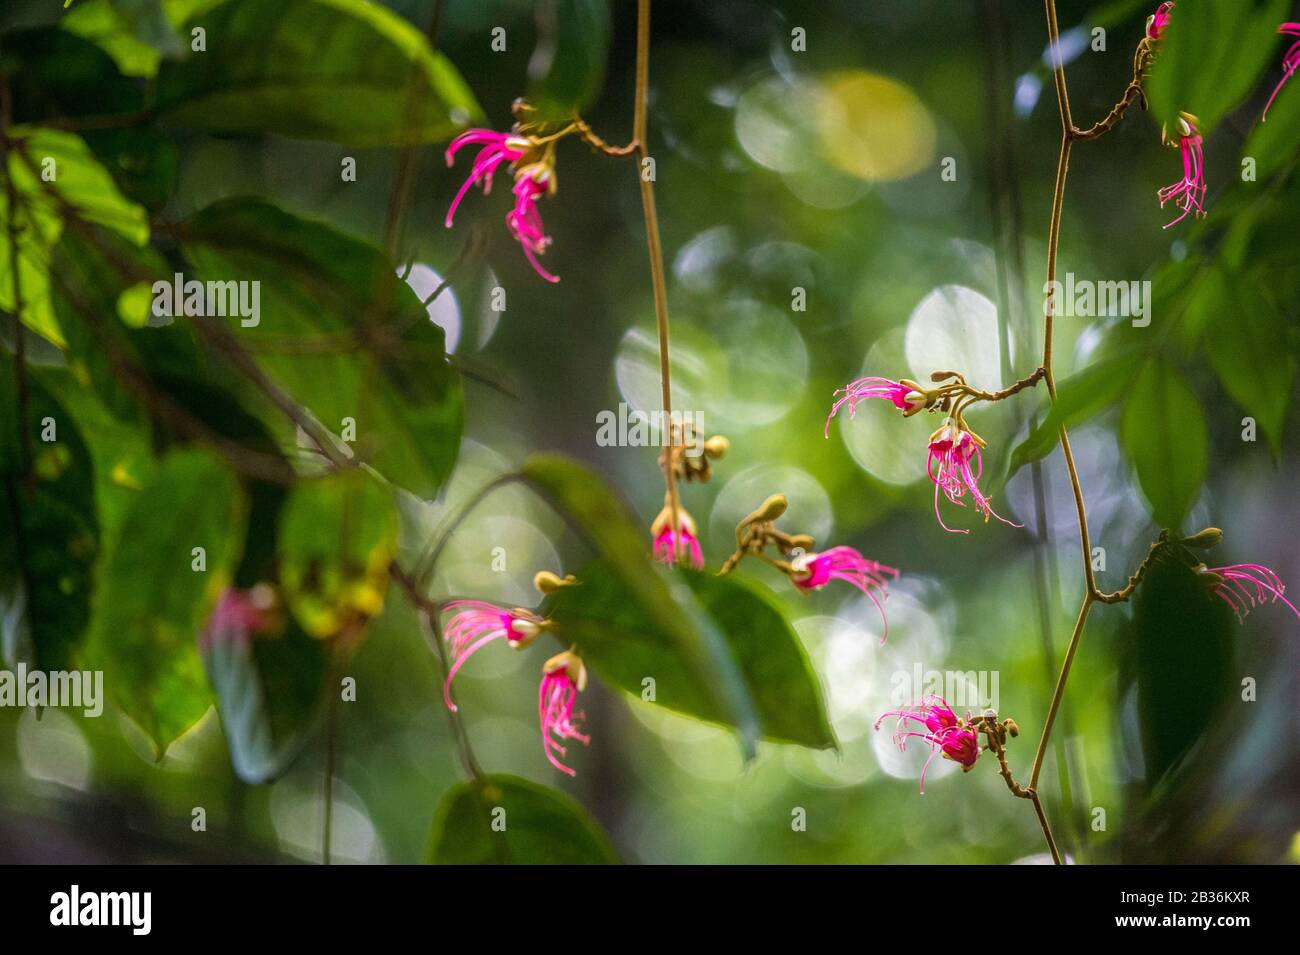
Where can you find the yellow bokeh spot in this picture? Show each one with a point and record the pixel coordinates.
(873, 127)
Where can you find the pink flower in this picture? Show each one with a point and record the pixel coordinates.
(944, 732)
(563, 677)
(1245, 586)
(1157, 22)
(475, 624)
(1189, 192)
(497, 148)
(952, 451)
(240, 614)
(815, 571)
(1290, 63)
(525, 222)
(903, 395)
(669, 547)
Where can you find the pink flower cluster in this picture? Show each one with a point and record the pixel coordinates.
(933, 721)
(531, 183)
(476, 623)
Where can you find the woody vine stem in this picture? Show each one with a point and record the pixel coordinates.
(1092, 594)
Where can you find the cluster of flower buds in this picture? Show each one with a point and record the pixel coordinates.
(933, 721)
(807, 569)
(685, 459)
(476, 623)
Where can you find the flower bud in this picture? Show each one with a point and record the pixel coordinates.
(769, 510)
(716, 446)
(1204, 540)
(548, 583)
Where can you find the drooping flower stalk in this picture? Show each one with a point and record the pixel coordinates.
(1290, 63)
(563, 678)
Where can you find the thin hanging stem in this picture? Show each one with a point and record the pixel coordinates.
(639, 136)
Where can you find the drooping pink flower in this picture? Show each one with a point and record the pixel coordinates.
(563, 677)
(1290, 63)
(815, 571)
(476, 623)
(497, 148)
(525, 222)
(668, 546)
(1189, 192)
(944, 731)
(239, 615)
(1157, 22)
(955, 464)
(1245, 586)
(903, 397)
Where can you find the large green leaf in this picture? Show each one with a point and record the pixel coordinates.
(341, 334)
(79, 186)
(506, 820)
(1211, 56)
(626, 647)
(49, 530)
(269, 689)
(346, 71)
(568, 65)
(1164, 435)
(1245, 337)
(1078, 399)
(668, 603)
(149, 603)
(1182, 644)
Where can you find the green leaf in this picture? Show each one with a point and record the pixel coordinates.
(1244, 338)
(337, 537)
(80, 186)
(345, 71)
(137, 34)
(1079, 398)
(599, 516)
(269, 689)
(342, 334)
(1164, 435)
(49, 530)
(1183, 648)
(1211, 56)
(150, 605)
(506, 820)
(568, 65)
(624, 646)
